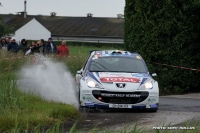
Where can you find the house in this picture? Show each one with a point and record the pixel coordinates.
(32, 30)
(76, 29)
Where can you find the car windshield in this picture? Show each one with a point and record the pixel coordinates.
(117, 64)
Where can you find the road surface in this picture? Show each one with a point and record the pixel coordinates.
(171, 110)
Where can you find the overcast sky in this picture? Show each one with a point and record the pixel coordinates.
(99, 8)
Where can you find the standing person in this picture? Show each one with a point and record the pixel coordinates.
(63, 50)
(42, 46)
(24, 46)
(13, 46)
(3, 44)
(51, 47)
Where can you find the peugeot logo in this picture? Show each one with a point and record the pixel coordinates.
(120, 85)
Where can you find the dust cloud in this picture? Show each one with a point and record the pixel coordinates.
(50, 80)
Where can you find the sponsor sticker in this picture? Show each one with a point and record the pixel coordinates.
(82, 103)
(98, 55)
(153, 106)
(138, 57)
(89, 104)
(153, 93)
(86, 91)
(147, 106)
(95, 57)
(152, 99)
(120, 95)
(119, 79)
(86, 98)
(138, 75)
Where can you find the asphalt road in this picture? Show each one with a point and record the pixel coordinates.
(180, 104)
(171, 110)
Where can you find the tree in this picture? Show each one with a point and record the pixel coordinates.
(4, 30)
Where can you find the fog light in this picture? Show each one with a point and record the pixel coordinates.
(99, 98)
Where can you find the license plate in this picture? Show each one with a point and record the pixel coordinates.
(120, 106)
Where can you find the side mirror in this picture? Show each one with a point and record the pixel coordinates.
(79, 72)
(154, 74)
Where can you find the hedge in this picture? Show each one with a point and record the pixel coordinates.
(166, 31)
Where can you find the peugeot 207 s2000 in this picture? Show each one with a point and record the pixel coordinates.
(117, 79)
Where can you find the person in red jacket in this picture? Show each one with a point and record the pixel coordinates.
(63, 50)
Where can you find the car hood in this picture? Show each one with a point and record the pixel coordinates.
(112, 80)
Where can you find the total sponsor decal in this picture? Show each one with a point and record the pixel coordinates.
(119, 79)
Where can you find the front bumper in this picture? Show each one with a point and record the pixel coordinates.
(129, 100)
(118, 106)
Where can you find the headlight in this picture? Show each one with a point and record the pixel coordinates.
(147, 85)
(93, 84)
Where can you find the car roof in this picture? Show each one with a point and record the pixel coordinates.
(115, 53)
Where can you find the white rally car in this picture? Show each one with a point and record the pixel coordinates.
(117, 79)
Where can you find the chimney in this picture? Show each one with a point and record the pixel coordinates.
(89, 15)
(25, 9)
(53, 14)
(120, 16)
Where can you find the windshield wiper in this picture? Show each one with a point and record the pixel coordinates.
(100, 65)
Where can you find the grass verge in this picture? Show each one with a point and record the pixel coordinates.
(19, 110)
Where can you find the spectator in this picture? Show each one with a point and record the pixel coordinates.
(42, 46)
(13, 46)
(51, 47)
(3, 44)
(24, 46)
(7, 40)
(35, 47)
(10, 40)
(63, 50)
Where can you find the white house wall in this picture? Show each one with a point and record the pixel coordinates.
(33, 30)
